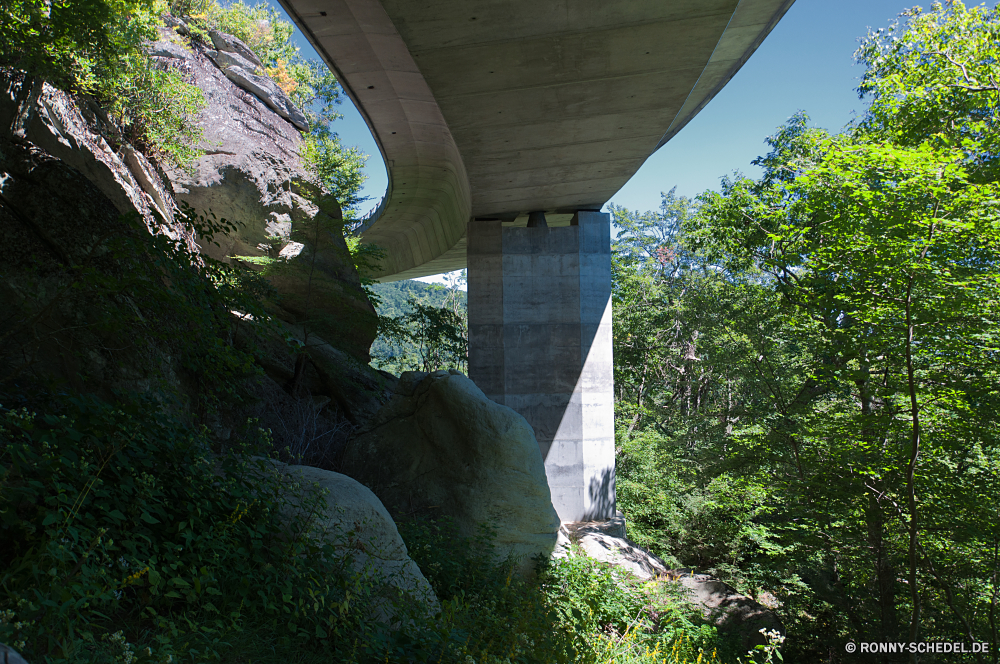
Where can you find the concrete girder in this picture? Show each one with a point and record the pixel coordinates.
(484, 108)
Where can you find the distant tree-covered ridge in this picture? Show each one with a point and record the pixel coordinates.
(394, 296)
(424, 326)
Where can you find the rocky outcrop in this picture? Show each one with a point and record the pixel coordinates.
(319, 287)
(441, 448)
(76, 131)
(606, 541)
(250, 161)
(727, 609)
(251, 174)
(95, 340)
(61, 231)
(230, 44)
(720, 604)
(341, 386)
(240, 65)
(354, 520)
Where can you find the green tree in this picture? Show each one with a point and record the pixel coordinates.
(338, 170)
(846, 310)
(65, 42)
(437, 337)
(891, 252)
(95, 47)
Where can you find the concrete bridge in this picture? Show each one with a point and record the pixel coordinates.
(505, 126)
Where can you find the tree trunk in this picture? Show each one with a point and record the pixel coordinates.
(24, 111)
(885, 577)
(911, 495)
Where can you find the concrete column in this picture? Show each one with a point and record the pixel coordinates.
(540, 343)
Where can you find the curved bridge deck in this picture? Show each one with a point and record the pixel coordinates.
(487, 109)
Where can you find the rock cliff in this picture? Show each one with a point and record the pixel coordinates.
(251, 173)
(60, 227)
(66, 185)
(250, 168)
(79, 133)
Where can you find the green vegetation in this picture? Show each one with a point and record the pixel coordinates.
(394, 296)
(128, 539)
(423, 327)
(806, 362)
(94, 47)
(126, 535)
(806, 391)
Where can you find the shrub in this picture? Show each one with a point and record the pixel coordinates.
(492, 615)
(124, 534)
(576, 609)
(154, 108)
(614, 616)
(717, 526)
(97, 47)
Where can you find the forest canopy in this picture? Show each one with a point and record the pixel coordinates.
(806, 361)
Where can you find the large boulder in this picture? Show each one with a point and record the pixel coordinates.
(354, 520)
(729, 610)
(440, 447)
(606, 541)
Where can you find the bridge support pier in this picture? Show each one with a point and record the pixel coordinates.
(540, 343)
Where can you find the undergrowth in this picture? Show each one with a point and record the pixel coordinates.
(575, 609)
(125, 534)
(128, 540)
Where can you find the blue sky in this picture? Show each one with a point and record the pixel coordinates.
(806, 63)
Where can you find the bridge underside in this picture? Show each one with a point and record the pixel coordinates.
(491, 110)
(487, 111)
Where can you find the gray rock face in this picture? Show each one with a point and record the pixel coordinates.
(442, 448)
(251, 160)
(54, 217)
(251, 174)
(167, 49)
(353, 389)
(358, 525)
(71, 131)
(222, 59)
(267, 90)
(241, 65)
(230, 44)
